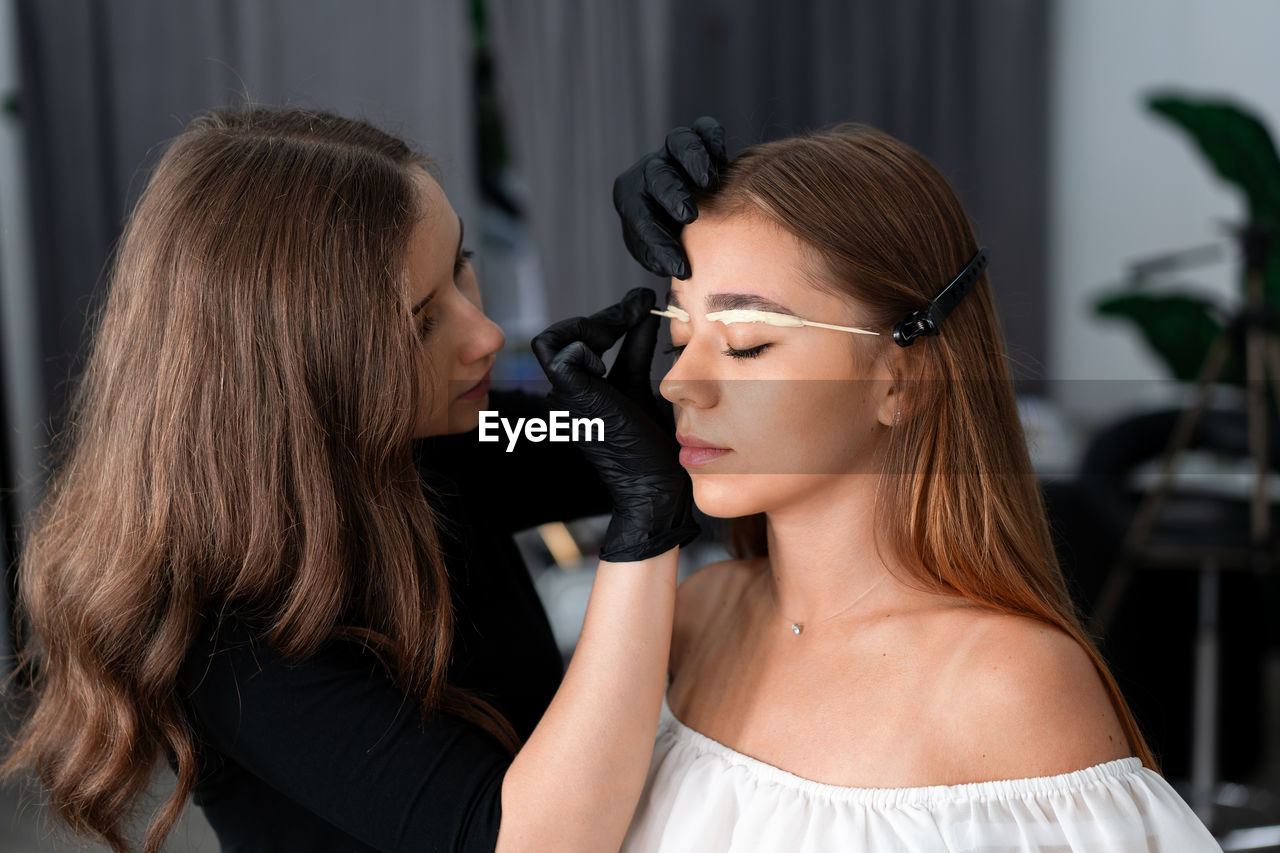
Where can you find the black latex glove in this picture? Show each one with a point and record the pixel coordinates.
(654, 200)
(639, 458)
(634, 362)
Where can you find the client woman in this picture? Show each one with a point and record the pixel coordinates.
(237, 568)
(892, 662)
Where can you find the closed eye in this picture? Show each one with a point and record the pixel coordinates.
(753, 352)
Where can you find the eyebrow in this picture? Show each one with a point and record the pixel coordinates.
(735, 301)
(462, 229)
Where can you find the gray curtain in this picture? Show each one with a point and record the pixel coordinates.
(584, 86)
(104, 83)
(964, 81)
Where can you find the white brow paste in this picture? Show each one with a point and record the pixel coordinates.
(673, 312)
(772, 318)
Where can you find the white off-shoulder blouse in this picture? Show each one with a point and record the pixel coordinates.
(703, 796)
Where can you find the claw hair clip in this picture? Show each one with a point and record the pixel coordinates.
(743, 315)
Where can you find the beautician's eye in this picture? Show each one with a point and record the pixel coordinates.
(746, 353)
(674, 350)
(464, 258)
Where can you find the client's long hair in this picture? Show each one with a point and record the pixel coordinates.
(957, 496)
(241, 439)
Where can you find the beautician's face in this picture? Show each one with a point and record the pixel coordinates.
(458, 341)
(792, 405)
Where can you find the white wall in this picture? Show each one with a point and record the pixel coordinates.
(1125, 184)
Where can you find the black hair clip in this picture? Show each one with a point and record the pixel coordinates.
(929, 321)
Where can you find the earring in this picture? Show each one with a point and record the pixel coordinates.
(897, 416)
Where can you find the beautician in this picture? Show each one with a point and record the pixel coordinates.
(273, 554)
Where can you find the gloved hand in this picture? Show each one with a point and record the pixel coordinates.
(654, 200)
(639, 458)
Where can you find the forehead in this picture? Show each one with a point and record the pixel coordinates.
(433, 242)
(746, 261)
(434, 208)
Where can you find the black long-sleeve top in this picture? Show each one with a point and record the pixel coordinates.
(327, 754)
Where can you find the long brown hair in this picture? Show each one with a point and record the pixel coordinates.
(957, 496)
(240, 439)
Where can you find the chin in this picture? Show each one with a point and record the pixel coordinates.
(729, 495)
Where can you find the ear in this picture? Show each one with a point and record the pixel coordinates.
(888, 371)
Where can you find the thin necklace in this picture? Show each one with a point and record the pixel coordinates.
(798, 627)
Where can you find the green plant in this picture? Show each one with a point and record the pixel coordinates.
(1180, 327)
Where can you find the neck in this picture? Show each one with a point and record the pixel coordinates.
(822, 551)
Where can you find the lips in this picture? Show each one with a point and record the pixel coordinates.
(695, 452)
(478, 390)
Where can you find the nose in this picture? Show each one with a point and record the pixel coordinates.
(681, 387)
(483, 338)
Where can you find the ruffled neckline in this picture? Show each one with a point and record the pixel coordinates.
(930, 795)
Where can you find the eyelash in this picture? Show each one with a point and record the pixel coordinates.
(464, 258)
(754, 352)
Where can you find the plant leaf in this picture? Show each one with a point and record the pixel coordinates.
(1178, 327)
(1236, 143)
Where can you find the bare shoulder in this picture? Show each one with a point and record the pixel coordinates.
(1025, 699)
(700, 597)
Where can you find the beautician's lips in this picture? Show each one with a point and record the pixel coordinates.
(694, 451)
(478, 390)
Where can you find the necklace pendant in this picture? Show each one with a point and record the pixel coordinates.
(796, 627)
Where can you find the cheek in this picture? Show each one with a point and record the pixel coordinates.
(800, 426)
(845, 431)
(786, 458)
(464, 415)
(433, 414)
(789, 436)
(432, 417)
